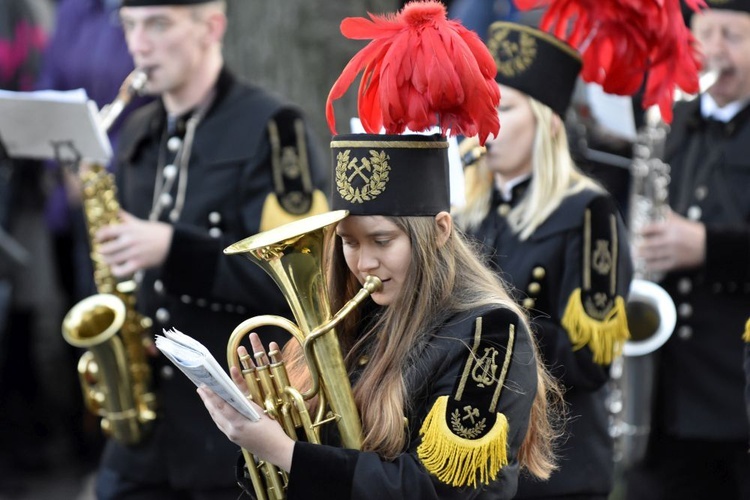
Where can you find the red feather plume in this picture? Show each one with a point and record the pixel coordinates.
(419, 70)
(624, 41)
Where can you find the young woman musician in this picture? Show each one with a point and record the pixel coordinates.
(452, 395)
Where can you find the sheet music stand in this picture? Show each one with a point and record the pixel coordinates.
(52, 125)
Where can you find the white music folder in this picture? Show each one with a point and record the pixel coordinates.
(52, 125)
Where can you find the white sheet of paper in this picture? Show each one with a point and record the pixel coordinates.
(51, 125)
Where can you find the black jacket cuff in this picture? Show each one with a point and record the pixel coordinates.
(320, 471)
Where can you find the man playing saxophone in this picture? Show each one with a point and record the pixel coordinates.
(698, 445)
(195, 169)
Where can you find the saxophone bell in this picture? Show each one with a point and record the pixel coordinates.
(94, 324)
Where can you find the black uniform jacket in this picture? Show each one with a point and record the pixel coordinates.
(701, 377)
(544, 272)
(199, 290)
(461, 364)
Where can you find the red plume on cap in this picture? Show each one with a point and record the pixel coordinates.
(420, 70)
(622, 41)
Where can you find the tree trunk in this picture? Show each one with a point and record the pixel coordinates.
(295, 48)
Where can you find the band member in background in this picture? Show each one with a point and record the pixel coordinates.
(556, 237)
(195, 170)
(698, 446)
(446, 377)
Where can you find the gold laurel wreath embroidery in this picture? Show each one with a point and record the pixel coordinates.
(512, 57)
(378, 163)
(466, 432)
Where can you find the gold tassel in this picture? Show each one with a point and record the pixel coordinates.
(458, 461)
(746, 335)
(604, 337)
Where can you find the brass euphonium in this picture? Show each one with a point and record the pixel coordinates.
(114, 373)
(292, 255)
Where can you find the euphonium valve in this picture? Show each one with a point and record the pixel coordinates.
(292, 255)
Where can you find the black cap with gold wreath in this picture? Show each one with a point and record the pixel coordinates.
(390, 174)
(624, 46)
(738, 5)
(534, 62)
(420, 71)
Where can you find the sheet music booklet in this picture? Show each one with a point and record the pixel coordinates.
(199, 365)
(52, 125)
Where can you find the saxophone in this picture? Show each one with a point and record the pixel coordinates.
(114, 372)
(651, 311)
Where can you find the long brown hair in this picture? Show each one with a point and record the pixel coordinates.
(443, 280)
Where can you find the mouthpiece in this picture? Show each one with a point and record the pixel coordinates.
(372, 284)
(708, 79)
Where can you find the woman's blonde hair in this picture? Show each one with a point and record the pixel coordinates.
(443, 280)
(554, 177)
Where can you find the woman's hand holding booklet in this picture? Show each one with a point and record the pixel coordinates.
(195, 361)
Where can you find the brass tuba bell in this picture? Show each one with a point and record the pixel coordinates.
(292, 255)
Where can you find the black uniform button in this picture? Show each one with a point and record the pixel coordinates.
(694, 212)
(701, 192)
(186, 299)
(685, 286)
(174, 143)
(717, 288)
(731, 287)
(216, 307)
(201, 302)
(504, 209)
(165, 199)
(162, 315)
(685, 332)
(166, 372)
(538, 273)
(685, 310)
(159, 287)
(169, 172)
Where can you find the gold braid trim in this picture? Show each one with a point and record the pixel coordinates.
(604, 337)
(746, 335)
(458, 461)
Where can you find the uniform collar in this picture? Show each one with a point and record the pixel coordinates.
(710, 109)
(511, 191)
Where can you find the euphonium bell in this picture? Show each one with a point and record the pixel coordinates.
(292, 255)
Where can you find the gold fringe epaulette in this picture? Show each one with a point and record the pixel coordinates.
(458, 461)
(604, 337)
